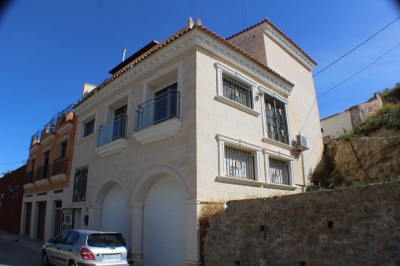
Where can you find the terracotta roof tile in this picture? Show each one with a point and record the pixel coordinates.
(278, 30)
(170, 39)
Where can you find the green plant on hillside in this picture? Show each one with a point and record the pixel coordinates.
(388, 116)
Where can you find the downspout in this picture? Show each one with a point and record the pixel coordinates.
(304, 172)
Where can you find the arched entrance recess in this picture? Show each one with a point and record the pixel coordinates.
(112, 199)
(159, 222)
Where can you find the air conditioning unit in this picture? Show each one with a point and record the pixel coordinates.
(301, 143)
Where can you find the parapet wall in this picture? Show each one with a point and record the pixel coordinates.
(348, 226)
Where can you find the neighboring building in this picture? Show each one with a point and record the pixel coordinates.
(11, 194)
(335, 125)
(47, 178)
(193, 119)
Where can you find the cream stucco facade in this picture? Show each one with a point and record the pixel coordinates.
(189, 148)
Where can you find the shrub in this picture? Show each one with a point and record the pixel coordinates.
(208, 209)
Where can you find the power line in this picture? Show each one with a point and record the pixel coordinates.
(12, 162)
(356, 46)
(243, 12)
(315, 100)
(144, 19)
(192, 9)
(359, 71)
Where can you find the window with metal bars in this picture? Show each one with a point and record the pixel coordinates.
(236, 91)
(278, 172)
(239, 163)
(276, 119)
(80, 185)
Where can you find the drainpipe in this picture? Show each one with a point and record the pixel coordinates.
(304, 172)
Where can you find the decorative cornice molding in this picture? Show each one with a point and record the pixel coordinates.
(279, 39)
(64, 129)
(185, 42)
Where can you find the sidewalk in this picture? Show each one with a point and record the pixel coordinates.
(34, 243)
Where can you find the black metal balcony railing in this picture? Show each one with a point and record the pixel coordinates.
(60, 166)
(36, 138)
(66, 114)
(158, 109)
(29, 177)
(43, 172)
(113, 129)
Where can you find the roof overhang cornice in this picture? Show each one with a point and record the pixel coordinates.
(280, 39)
(193, 38)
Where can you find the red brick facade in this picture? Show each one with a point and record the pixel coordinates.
(11, 195)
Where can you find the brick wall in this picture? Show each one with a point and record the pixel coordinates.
(11, 203)
(348, 226)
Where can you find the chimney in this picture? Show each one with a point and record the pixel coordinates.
(123, 54)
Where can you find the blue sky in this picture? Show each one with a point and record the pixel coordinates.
(49, 48)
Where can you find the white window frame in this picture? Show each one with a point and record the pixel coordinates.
(256, 150)
(221, 69)
(264, 119)
(280, 156)
(148, 90)
(85, 119)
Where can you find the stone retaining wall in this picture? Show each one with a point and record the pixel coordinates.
(348, 226)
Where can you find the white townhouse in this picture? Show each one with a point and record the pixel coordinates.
(192, 119)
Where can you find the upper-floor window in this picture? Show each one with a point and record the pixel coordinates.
(16, 194)
(236, 90)
(63, 149)
(278, 170)
(88, 128)
(276, 119)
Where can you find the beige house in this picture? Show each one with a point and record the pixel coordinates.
(193, 119)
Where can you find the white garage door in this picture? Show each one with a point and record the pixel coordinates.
(164, 224)
(114, 211)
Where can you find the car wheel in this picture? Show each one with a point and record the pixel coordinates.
(71, 263)
(45, 259)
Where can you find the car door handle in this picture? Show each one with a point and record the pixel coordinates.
(69, 250)
(58, 248)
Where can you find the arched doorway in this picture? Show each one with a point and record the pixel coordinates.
(113, 216)
(164, 223)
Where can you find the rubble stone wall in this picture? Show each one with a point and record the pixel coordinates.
(347, 226)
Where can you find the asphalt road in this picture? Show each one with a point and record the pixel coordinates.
(18, 254)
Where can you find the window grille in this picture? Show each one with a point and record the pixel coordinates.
(236, 91)
(239, 163)
(278, 171)
(276, 119)
(80, 185)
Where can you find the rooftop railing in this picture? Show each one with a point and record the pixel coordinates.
(36, 138)
(113, 129)
(66, 114)
(158, 109)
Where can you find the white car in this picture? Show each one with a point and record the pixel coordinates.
(79, 247)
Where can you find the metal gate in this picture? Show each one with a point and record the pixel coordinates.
(64, 220)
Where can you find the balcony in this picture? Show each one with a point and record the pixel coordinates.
(111, 137)
(64, 120)
(35, 141)
(29, 180)
(48, 132)
(158, 118)
(42, 175)
(59, 170)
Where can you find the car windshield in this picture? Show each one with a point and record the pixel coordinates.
(106, 240)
